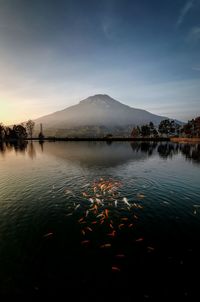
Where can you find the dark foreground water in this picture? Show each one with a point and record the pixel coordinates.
(86, 218)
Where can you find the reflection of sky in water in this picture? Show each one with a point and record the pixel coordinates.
(100, 153)
(40, 185)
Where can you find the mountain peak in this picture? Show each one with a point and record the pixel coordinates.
(99, 99)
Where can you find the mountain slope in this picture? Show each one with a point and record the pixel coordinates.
(98, 110)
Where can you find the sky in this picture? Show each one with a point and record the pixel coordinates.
(143, 53)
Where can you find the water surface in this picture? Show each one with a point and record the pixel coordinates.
(95, 216)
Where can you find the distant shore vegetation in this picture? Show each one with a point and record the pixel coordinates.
(166, 129)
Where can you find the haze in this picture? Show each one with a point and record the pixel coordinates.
(55, 53)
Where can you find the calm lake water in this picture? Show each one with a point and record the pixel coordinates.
(85, 217)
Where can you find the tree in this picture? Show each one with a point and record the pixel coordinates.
(20, 131)
(145, 130)
(164, 127)
(30, 127)
(135, 132)
(2, 131)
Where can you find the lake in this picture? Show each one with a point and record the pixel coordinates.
(84, 217)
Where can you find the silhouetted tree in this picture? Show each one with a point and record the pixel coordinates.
(30, 127)
(2, 132)
(192, 128)
(20, 131)
(145, 130)
(164, 127)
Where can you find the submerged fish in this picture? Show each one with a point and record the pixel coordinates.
(120, 256)
(48, 235)
(139, 239)
(115, 269)
(86, 185)
(125, 200)
(78, 205)
(139, 195)
(107, 245)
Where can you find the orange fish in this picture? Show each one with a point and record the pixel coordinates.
(124, 219)
(121, 225)
(130, 225)
(106, 213)
(94, 222)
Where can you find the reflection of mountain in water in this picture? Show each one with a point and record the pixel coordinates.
(94, 153)
(101, 153)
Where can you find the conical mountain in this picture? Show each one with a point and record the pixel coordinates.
(98, 110)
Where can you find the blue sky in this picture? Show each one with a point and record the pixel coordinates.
(55, 53)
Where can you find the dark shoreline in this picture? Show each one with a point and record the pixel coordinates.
(105, 139)
(79, 139)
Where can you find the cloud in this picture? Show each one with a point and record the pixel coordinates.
(194, 34)
(184, 11)
(196, 68)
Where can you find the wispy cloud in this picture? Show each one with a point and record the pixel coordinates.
(184, 11)
(194, 34)
(196, 68)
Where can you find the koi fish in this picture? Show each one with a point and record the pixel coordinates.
(120, 256)
(139, 195)
(101, 215)
(125, 200)
(86, 185)
(88, 228)
(85, 242)
(81, 219)
(150, 249)
(48, 235)
(107, 245)
(112, 234)
(115, 269)
(98, 201)
(139, 239)
(106, 213)
(77, 207)
(91, 200)
(121, 225)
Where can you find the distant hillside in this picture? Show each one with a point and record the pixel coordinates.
(96, 114)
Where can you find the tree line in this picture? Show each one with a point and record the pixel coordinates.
(17, 132)
(168, 128)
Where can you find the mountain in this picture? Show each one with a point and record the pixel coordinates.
(97, 111)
